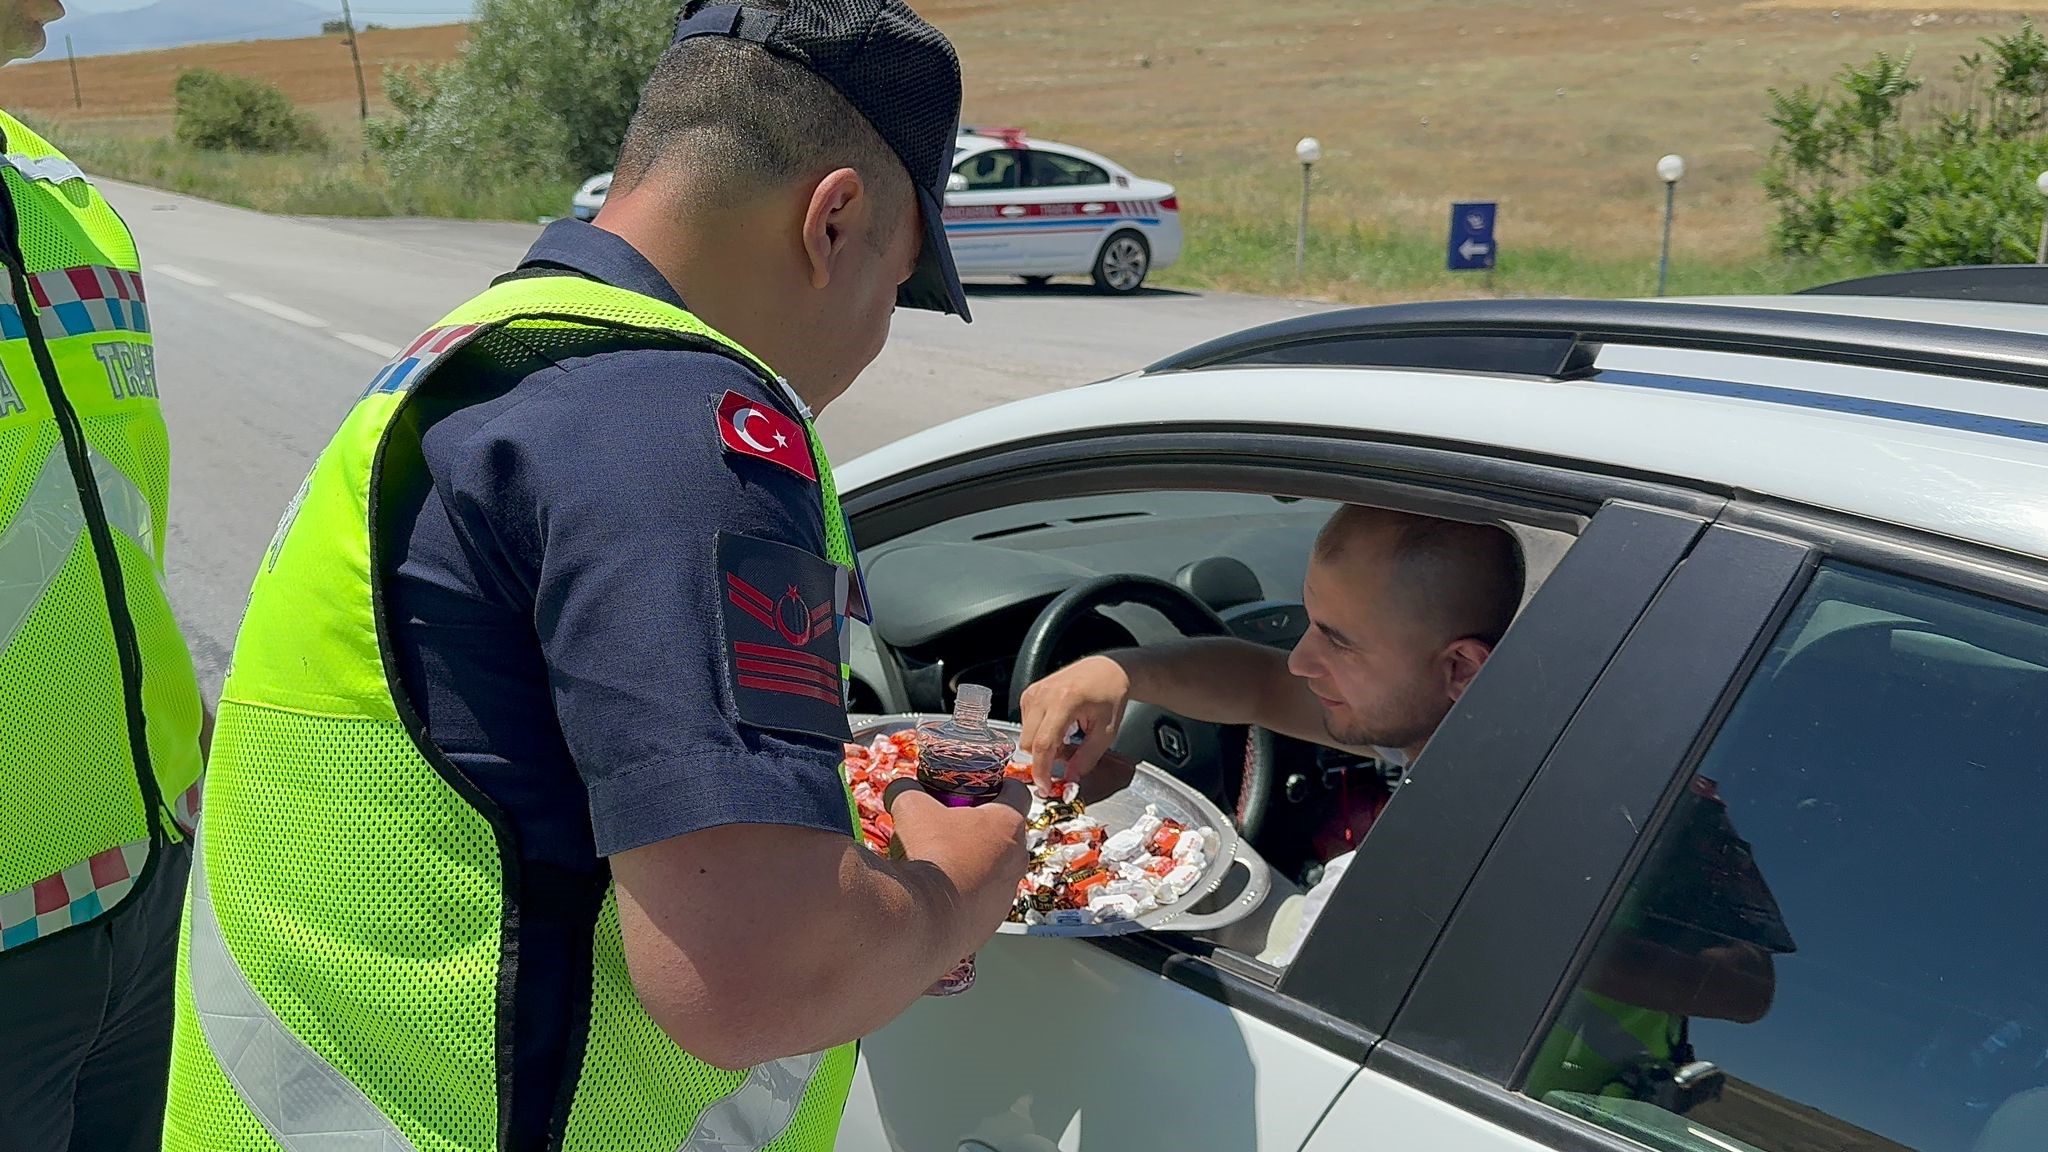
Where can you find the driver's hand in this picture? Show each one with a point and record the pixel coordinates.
(1089, 693)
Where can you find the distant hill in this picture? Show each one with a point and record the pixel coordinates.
(169, 23)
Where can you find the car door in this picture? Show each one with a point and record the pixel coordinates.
(1764, 893)
(1071, 208)
(1164, 1040)
(982, 210)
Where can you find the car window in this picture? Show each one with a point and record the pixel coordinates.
(1834, 940)
(991, 170)
(1053, 170)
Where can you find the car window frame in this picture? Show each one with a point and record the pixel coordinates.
(1312, 466)
(1458, 1037)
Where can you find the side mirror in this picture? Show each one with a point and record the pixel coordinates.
(956, 183)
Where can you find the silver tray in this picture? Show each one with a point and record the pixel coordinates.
(1204, 908)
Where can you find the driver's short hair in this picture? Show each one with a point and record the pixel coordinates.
(1468, 577)
(740, 121)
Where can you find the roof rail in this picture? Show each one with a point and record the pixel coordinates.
(1559, 339)
(1983, 283)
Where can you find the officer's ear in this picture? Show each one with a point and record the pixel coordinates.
(839, 214)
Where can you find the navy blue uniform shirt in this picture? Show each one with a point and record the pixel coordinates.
(554, 597)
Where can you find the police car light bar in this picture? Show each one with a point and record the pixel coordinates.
(1008, 135)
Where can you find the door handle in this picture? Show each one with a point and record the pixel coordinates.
(1013, 209)
(1093, 209)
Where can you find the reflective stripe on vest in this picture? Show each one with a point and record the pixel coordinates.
(261, 1057)
(35, 544)
(49, 169)
(266, 1063)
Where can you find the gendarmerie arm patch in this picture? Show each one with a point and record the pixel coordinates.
(783, 609)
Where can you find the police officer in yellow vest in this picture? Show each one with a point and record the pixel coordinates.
(524, 820)
(100, 714)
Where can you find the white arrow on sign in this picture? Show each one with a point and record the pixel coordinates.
(1471, 248)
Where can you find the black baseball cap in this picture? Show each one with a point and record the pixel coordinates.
(899, 72)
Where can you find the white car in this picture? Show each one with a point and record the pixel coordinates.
(589, 196)
(1016, 206)
(1773, 714)
(1035, 209)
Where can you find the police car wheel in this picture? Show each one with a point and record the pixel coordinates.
(1121, 266)
(1035, 281)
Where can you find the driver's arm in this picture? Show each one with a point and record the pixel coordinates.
(1213, 679)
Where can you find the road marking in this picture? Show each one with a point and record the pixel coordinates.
(368, 344)
(184, 277)
(282, 312)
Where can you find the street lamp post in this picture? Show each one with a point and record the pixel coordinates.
(1671, 169)
(1308, 152)
(2041, 256)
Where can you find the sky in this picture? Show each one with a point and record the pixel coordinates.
(396, 13)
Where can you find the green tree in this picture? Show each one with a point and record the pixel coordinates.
(542, 89)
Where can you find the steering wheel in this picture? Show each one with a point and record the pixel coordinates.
(1193, 750)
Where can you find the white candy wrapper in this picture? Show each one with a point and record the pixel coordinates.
(1147, 824)
(1068, 853)
(1189, 844)
(1181, 879)
(1124, 845)
(1113, 907)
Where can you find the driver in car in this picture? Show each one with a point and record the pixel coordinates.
(1403, 612)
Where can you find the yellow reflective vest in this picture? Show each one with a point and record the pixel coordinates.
(99, 708)
(350, 937)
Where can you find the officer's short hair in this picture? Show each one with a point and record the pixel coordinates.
(740, 119)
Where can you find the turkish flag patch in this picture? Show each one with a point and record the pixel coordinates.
(753, 428)
(783, 612)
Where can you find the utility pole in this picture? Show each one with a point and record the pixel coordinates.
(362, 92)
(77, 101)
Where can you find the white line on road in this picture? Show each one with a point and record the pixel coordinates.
(281, 311)
(184, 277)
(368, 344)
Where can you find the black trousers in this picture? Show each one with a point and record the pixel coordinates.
(85, 1025)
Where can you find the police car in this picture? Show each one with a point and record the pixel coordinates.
(1786, 619)
(1036, 209)
(1032, 208)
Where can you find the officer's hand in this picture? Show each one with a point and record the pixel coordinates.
(1090, 693)
(981, 850)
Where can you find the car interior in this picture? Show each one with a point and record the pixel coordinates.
(1003, 597)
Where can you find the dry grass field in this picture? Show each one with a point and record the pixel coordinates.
(1556, 108)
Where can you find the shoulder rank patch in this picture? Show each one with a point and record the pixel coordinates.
(783, 612)
(751, 428)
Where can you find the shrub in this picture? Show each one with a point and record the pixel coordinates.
(1852, 175)
(217, 111)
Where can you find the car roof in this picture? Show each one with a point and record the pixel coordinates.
(1950, 439)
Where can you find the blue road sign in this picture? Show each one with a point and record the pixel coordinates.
(1472, 245)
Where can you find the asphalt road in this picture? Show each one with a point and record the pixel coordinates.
(268, 327)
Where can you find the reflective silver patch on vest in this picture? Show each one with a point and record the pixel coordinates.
(301, 1100)
(127, 508)
(36, 543)
(756, 1112)
(54, 169)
